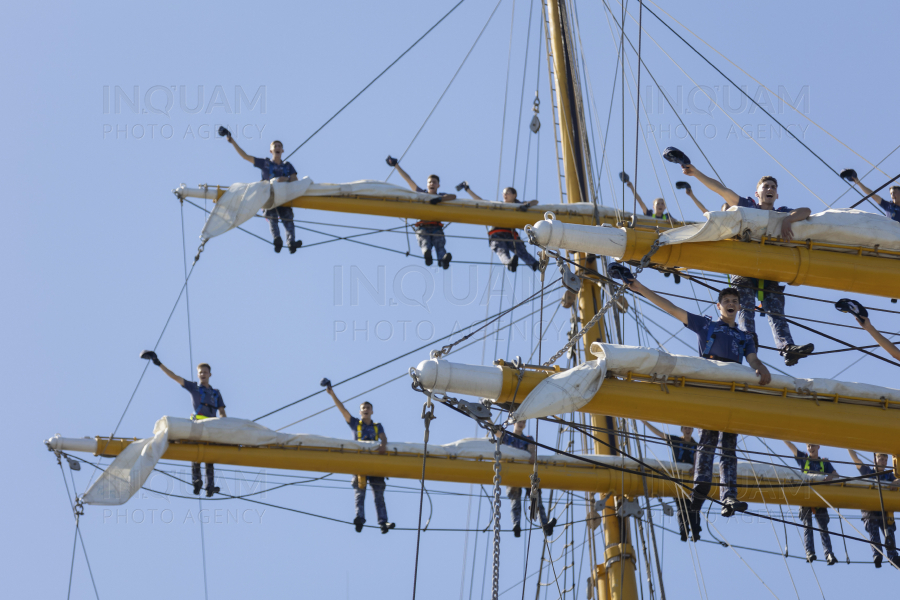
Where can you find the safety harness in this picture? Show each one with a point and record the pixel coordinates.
(359, 429)
(806, 466)
(711, 339)
(512, 232)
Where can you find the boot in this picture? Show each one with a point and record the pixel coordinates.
(831, 559)
(295, 244)
(428, 258)
(210, 490)
(548, 528)
(732, 506)
(513, 264)
(517, 530)
(810, 557)
(698, 496)
(878, 560)
(278, 244)
(385, 527)
(793, 353)
(359, 522)
(198, 485)
(447, 258)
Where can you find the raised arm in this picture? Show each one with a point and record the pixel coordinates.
(637, 197)
(731, 199)
(340, 407)
(176, 378)
(678, 313)
(654, 429)
(243, 154)
(792, 447)
(882, 341)
(855, 458)
(471, 193)
(764, 376)
(406, 178)
(691, 195)
(867, 190)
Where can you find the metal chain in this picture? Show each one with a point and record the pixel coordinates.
(495, 583)
(574, 339)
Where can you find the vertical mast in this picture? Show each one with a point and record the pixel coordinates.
(615, 575)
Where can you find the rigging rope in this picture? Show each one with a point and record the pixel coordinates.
(368, 85)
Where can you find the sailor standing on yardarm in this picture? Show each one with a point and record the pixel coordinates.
(367, 430)
(274, 169)
(207, 401)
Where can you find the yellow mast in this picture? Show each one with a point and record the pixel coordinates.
(614, 577)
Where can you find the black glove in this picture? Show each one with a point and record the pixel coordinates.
(391, 161)
(326, 383)
(151, 355)
(224, 132)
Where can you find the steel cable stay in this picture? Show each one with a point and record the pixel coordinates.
(484, 323)
(874, 166)
(368, 85)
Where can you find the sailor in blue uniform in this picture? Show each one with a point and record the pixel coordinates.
(769, 294)
(207, 402)
(892, 208)
(810, 462)
(275, 168)
(684, 451)
(514, 493)
(365, 429)
(875, 521)
(505, 241)
(429, 234)
(719, 340)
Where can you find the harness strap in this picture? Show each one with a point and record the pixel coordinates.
(806, 467)
(512, 232)
(428, 224)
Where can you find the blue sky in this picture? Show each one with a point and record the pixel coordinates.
(95, 257)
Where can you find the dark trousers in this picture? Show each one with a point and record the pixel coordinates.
(286, 214)
(505, 246)
(515, 496)
(706, 454)
(210, 475)
(359, 497)
(688, 521)
(771, 303)
(431, 237)
(873, 525)
(822, 518)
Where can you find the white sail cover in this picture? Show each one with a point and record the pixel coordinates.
(834, 226)
(243, 200)
(560, 397)
(130, 469)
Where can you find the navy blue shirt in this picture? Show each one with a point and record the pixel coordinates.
(749, 202)
(893, 210)
(206, 400)
(515, 442)
(367, 433)
(684, 451)
(814, 465)
(270, 170)
(867, 470)
(719, 341)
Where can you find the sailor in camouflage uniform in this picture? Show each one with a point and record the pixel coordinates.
(769, 294)
(721, 341)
